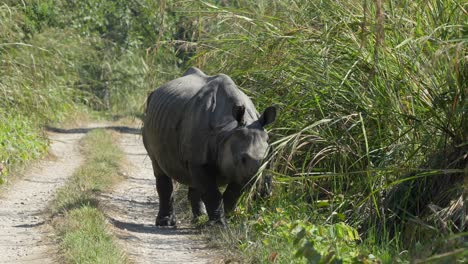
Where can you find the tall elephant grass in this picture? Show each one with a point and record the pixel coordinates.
(372, 98)
(133, 76)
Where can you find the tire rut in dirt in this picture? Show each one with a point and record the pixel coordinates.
(131, 208)
(24, 238)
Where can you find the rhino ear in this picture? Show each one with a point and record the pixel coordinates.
(268, 116)
(238, 113)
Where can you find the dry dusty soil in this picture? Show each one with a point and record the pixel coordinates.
(132, 207)
(25, 236)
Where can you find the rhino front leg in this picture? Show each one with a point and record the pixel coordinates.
(198, 208)
(205, 182)
(164, 188)
(214, 205)
(230, 196)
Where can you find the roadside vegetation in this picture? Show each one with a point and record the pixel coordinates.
(369, 153)
(81, 227)
(56, 61)
(371, 136)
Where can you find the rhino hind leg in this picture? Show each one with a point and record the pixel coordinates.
(198, 208)
(166, 216)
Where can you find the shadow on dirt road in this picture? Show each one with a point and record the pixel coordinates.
(131, 208)
(120, 129)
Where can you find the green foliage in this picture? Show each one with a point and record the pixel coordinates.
(325, 244)
(19, 130)
(29, 89)
(371, 122)
(129, 24)
(51, 66)
(289, 233)
(87, 238)
(20, 141)
(127, 63)
(132, 77)
(40, 14)
(83, 231)
(34, 85)
(11, 23)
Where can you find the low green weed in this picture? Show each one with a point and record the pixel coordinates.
(81, 227)
(20, 141)
(86, 238)
(278, 235)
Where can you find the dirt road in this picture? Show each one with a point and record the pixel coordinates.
(23, 235)
(132, 206)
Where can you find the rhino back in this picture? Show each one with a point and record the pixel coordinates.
(162, 123)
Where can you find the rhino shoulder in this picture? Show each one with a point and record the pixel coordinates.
(205, 116)
(231, 96)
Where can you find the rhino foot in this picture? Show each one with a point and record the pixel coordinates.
(219, 222)
(166, 221)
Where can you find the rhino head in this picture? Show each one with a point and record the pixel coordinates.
(245, 147)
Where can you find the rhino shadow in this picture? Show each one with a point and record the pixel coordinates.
(151, 229)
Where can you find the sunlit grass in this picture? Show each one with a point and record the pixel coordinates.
(370, 123)
(87, 238)
(81, 227)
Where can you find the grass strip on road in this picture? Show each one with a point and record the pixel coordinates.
(81, 226)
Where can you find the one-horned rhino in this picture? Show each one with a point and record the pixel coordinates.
(204, 132)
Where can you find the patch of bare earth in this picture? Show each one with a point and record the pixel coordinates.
(131, 208)
(23, 236)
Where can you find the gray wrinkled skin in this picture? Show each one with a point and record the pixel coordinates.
(204, 132)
